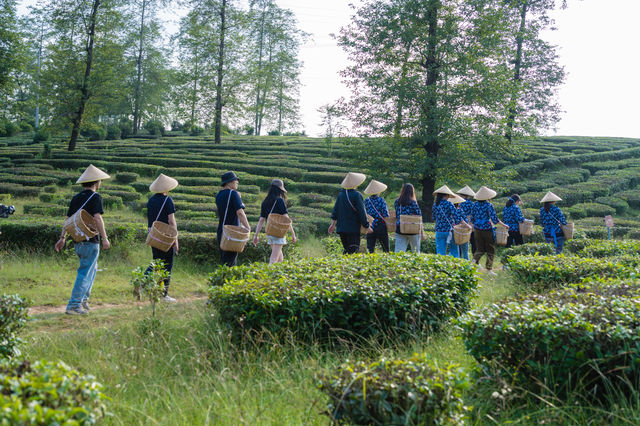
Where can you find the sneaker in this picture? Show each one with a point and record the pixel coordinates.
(76, 311)
(85, 305)
(490, 272)
(169, 299)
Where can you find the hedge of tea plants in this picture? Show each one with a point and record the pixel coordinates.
(396, 392)
(13, 316)
(583, 337)
(351, 297)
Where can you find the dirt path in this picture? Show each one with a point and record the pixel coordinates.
(60, 309)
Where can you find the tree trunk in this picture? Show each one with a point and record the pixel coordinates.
(256, 121)
(511, 118)
(194, 97)
(280, 103)
(428, 186)
(136, 96)
(84, 89)
(397, 127)
(218, 109)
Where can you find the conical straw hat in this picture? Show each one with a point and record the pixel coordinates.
(466, 191)
(549, 197)
(163, 183)
(456, 199)
(485, 193)
(375, 188)
(353, 180)
(444, 190)
(92, 174)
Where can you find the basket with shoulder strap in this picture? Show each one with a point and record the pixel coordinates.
(526, 227)
(462, 233)
(410, 224)
(391, 222)
(161, 235)
(502, 235)
(81, 225)
(234, 238)
(568, 230)
(277, 224)
(364, 230)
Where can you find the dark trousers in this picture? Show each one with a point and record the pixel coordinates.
(167, 258)
(514, 238)
(379, 234)
(229, 258)
(473, 244)
(350, 242)
(485, 244)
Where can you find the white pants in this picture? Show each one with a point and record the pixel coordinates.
(402, 241)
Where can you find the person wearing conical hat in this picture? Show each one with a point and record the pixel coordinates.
(551, 218)
(377, 208)
(463, 249)
(467, 206)
(512, 216)
(445, 216)
(230, 212)
(407, 205)
(276, 203)
(349, 214)
(483, 217)
(160, 208)
(88, 251)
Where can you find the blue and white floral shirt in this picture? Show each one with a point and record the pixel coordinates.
(445, 215)
(467, 207)
(512, 216)
(376, 207)
(411, 209)
(551, 220)
(481, 215)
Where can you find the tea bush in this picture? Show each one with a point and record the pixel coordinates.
(345, 296)
(585, 336)
(396, 392)
(126, 177)
(47, 393)
(609, 248)
(544, 249)
(13, 316)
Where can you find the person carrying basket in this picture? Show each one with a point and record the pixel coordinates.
(377, 208)
(274, 212)
(483, 217)
(552, 219)
(230, 212)
(349, 214)
(445, 216)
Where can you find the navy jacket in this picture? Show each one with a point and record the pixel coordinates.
(349, 218)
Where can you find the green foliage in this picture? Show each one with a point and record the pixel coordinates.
(544, 249)
(48, 393)
(13, 316)
(350, 297)
(114, 132)
(8, 128)
(396, 392)
(42, 135)
(126, 177)
(154, 127)
(584, 337)
(94, 131)
(608, 248)
(150, 282)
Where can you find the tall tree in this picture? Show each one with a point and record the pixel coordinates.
(11, 46)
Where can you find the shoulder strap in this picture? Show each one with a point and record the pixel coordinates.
(273, 207)
(85, 203)
(374, 208)
(162, 207)
(227, 208)
(346, 193)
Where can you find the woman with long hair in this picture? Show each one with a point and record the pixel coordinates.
(445, 216)
(407, 204)
(275, 202)
(551, 218)
(512, 216)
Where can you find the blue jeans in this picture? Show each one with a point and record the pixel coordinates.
(445, 240)
(88, 254)
(403, 241)
(560, 241)
(464, 251)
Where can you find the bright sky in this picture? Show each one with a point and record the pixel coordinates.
(598, 41)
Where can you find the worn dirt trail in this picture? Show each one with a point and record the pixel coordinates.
(60, 309)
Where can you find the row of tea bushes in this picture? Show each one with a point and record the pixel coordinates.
(354, 297)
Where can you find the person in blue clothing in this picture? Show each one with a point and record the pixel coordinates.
(349, 214)
(512, 216)
(483, 218)
(276, 202)
(551, 218)
(230, 212)
(467, 205)
(445, 216)
(462, 248)
(407, 204)
(377, 208)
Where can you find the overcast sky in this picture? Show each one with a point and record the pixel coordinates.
(599, 45)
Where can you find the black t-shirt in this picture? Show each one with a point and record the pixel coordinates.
(278, 206)
(235, 204)
(153, 208)
(93, 206)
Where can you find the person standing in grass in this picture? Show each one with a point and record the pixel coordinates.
(407, 204)
(512, 216)
(483, 217)
(377, 209)
(275, 203)
(445, 216)
(349, 214)
(89, 250)
(463, 249)
(230, 212)
(551, 218)
(467, 207)
(160, 208)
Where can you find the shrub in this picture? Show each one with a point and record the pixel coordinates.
(8, 128)
(114, 132)
(593, 209)
(94, 131)
(126, 128)
(606, 248)
(154, 127)
(126, 177)
(196, 131)
(50, 189)
(13, 316)
(586, 336)
(348, 297)
(45, 197)
(41, 135)
(112, 201)
(526, 250)
(25, 127)
(48, 393)
(396, 392)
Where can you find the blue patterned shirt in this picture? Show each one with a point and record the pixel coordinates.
(467, 207)
(411, 209)
(512, 216)
(376, 208)
(550, 219)
(445, 216)
(482, 214)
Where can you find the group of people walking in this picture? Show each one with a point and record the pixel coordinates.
(352, 215)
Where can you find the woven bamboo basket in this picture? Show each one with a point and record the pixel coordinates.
(277, 225)
(526, 227)
(162, 236)
(462, 233)
(410, 224)
(363, 230)
(567, 230)
(234, 238)
(391, 222)
(502, 234)
(80, 226)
